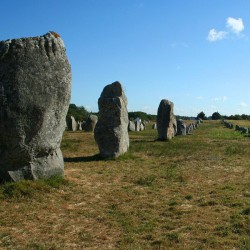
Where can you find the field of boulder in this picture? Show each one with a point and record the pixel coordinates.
(192, 192)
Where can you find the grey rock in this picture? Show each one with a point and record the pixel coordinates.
(181, 127)
(91, 123)
(131, 126)
(237, 127)
(154, 126)
(166, 122)
(142, 127)
(189, 129)
(228, 124)
(244, 130)
(137, 122)
(35, 86)
(79, 125)
(73, 125)
(111, 131)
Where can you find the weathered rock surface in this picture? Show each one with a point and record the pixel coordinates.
(35, 86)
(111, 131)
(181, 127)
(91, 123)
(166, 122)
(131, 126)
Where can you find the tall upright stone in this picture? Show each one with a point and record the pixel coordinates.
(111, 131)
(35, 84)
(91, 123)
(72, 125)
(166, 122)
(181, 127)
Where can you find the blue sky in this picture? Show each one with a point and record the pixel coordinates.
(195, 53)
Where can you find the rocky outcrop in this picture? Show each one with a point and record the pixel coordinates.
(35, 84)
(111, 131)
(166, 122)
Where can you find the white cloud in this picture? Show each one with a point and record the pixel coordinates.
(235, 25)
(199, 97)
(217, 99)
(215, 35)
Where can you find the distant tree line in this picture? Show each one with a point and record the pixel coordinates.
(237, 117)
(79, 113)
(218, 116)
(144, 116)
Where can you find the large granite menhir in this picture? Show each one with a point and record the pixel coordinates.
(111, 130)
(35, 86)
(166, 122)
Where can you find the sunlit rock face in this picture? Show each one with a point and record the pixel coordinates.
(166, 122)
(111, 131)
(35, 86)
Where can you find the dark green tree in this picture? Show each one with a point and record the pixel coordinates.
(216, 116)
(142, 115)
(79, 113)
(201, 115)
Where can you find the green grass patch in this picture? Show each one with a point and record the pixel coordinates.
(28, 188)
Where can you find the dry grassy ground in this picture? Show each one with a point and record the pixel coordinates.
(190, 193)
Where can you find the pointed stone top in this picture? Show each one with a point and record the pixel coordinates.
(112, 90)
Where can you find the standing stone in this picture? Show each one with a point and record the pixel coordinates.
(35, 84)
(73, 125)
(91, 123)
(142, 127)
(189, 129)
(111, 131)
(154, 126)
(79, 125)
(166, 122)
(131, 126)
(181, 127)
(137, 122)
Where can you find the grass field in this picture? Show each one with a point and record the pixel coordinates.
(189, 193)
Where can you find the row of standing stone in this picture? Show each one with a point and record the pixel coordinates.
(35, 88)
(90, 123)
(111, 131)
(243, 130)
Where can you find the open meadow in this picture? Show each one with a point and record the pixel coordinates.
(192, 192)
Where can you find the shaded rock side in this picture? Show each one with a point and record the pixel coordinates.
(166, 122)
(91, 123)
(111, 131)
(35, 86)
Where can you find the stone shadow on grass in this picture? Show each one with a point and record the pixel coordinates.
(96, 157)
(139, 141)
